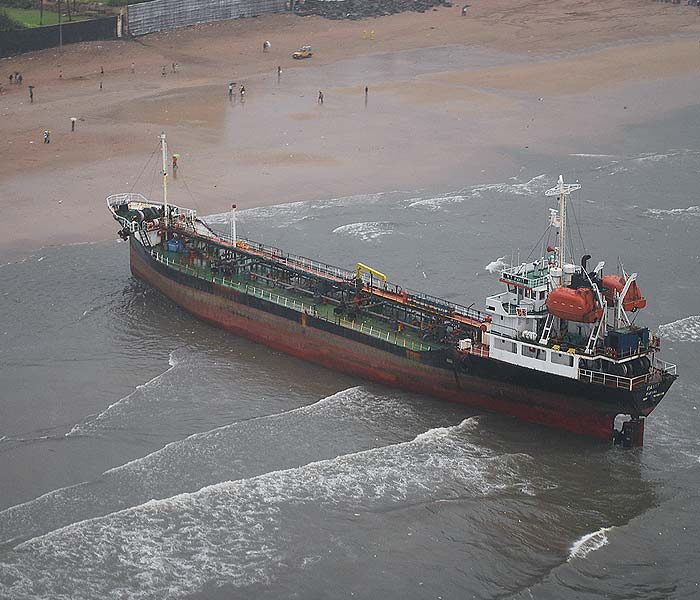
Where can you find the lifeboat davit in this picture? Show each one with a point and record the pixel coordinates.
(616, 283)
(578, 305)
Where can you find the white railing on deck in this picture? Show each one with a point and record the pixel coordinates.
(126, 197)
(666, 367)
(616, 381)
(479, 351)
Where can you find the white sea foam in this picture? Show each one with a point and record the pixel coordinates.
(589, 543)
(657, 157)
(229, 452)
(534, 186)
(674, 212)
(434, 203)
(496, 266)
(595, 155)
(241, 532)
(89, 424)
(683, 330)
(365, 231)
(283, 215)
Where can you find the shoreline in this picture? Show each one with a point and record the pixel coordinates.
(452, 100)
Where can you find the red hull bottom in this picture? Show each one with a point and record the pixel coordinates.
(354, 358)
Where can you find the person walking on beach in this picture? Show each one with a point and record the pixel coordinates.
(19, 79)
(133, 68)
(31, 94)
(102, 70)
(279, 73)
(320, 97)
(72, 124)
(47, 136)
(162, 71)
(11, 78)
(230, 90)
(242, 91)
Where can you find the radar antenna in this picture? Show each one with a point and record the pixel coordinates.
(562, 190)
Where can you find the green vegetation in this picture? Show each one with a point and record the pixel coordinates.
(17, 4)
(30, 18)
(7, 23)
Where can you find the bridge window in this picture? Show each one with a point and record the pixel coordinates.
(563, 358)
(506, 345)
(533, 352)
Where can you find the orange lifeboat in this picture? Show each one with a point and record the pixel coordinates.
(578, 305)
(615, 283)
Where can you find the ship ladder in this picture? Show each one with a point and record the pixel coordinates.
(547, 331)
(143, 236)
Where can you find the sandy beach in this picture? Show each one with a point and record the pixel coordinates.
(452, 100)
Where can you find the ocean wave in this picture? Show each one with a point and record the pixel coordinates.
(365, 231)
(580, 155)
(434, 203)
(673, 212)
(93, 422)
(654, 157)
(230, 452)
(682, 330)
(286, 214)
(589, 543)
(534, 186)
(246, 531)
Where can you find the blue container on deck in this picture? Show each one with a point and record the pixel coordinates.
(175, 246)
(627, 341)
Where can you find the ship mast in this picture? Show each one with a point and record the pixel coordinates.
(562, 190)
(164, 148)
(233, 224)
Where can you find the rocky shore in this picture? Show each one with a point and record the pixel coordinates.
(362, 9)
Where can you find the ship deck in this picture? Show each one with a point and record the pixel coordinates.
(290, 298)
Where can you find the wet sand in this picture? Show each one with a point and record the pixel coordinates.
(452, 101)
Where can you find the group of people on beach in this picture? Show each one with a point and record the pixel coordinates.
(16, 77)
(232, 90)
(164, 70)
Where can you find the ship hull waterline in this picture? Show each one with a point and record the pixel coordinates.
(299, 338)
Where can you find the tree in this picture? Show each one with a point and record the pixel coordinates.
(7, 23)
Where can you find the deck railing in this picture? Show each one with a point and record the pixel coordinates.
(627, 383)
(665, 367)
(616, 381)
(309, 309)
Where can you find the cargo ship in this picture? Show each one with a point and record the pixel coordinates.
(556, 346)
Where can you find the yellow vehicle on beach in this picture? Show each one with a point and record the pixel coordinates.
(303, 52)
